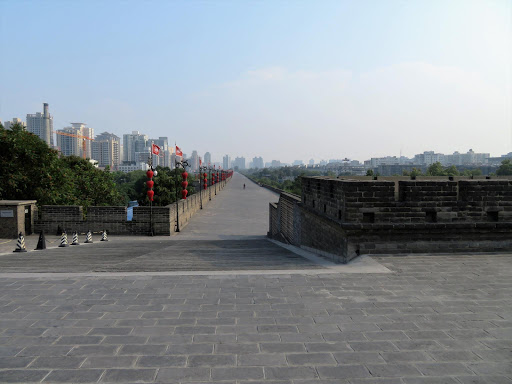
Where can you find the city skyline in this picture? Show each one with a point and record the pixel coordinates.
(289, 80)
(136, 148)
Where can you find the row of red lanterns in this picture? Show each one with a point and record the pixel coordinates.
(150, 183)
(184, 184)
(215, 176)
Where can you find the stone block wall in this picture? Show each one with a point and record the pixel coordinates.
(62, 212)
(485, 200)
(287, 202)
(343, 218)
(409, 201)
(13, 218)
(114, 219)
(321, 235)
(273, 221)
(437, 193)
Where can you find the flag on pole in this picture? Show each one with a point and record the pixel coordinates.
(178, 151)
(155, 149)
(200, 162)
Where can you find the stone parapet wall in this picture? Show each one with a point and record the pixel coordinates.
(114, 219)
(287, 202)
(273, 220)
(62, 212)
(343, 218)
(409, 201)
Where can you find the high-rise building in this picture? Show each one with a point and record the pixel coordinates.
(276, 164)
(106, 150)
(311, 162)
(74, 145)
(132, 143)
(208, 159)
(68, 145)
(428, 158)
(164, 157)
(469, 158)
(130, 166)
(41, 124)
(87, 132)
(8, 124)
(240, 162)
(257, 162)
(226, 162)
(194, 161)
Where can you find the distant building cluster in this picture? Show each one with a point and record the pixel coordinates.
(133, 151)
(105, 150)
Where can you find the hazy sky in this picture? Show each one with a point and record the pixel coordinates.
(279, 79)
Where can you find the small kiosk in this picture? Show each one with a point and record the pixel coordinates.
(16, 216)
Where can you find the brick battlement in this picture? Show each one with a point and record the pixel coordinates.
(347, 217)
(114, 219)
(409, 201)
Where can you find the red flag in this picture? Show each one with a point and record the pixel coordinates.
(200, 162)
(178, 151)
(155, 149)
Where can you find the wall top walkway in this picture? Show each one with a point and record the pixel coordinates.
(235, 213)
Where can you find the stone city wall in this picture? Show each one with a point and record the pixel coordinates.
(343, 218)
(114, 219)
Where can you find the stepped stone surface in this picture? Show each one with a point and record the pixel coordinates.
(126, 255)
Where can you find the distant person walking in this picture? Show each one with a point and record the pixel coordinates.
(244, 186)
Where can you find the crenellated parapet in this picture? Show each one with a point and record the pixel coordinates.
(347, 217)
(412, 201)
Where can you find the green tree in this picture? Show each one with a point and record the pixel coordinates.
(29, 170)
(89, 186)
(436, 169)
(472, 172)
(451, 171)
(164, 187)
(369, 172)
(415, 172)
(505, 169)
(130, 185)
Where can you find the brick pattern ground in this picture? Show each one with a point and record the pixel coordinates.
(442, 319)
(157, 255)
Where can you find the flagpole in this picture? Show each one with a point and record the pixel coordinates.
(200, 190)
(176, 187)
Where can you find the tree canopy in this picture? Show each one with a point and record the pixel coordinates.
(505, 168)
(30, 170)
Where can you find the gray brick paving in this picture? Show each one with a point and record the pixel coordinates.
(442, 319)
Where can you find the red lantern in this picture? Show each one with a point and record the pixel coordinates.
(184, 184)
(149, 174)
(204, 186)
(150, 195)
(150, 183)
(204, 174)
(184, 175)
(184, 194)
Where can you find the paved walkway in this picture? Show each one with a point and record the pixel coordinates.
(435, 320)
(430, 319)
(234, 214)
